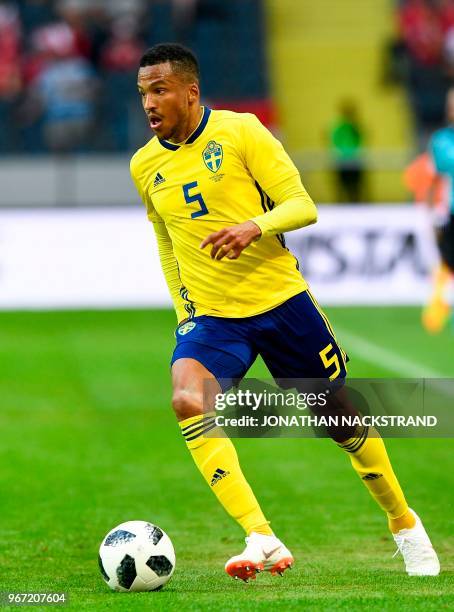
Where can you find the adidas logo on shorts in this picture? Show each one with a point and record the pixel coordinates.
(218, 475)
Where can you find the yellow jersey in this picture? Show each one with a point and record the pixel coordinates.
(231, 169)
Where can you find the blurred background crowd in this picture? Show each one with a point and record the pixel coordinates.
(424, 59)
(68, 77)
(68, 67)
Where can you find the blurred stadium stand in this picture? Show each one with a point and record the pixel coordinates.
(68, 73)
(322, 53)
(426, 46)
(70, 65)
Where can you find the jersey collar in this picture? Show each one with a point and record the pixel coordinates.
(195, 134)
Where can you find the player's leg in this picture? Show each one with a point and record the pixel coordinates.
(196, 370)
(436, 314)
(216, 458)
(214, 454)
(309, 349)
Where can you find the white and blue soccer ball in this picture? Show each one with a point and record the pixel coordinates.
(136, 556)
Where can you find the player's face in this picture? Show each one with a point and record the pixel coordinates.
(167, 99)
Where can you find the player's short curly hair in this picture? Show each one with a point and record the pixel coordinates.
(181, 58)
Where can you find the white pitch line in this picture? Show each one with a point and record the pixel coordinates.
(377, 355)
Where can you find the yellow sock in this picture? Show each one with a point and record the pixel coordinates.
(436, 314)
(217, 460)
(442, 278)
(407, 521)
(370, 461)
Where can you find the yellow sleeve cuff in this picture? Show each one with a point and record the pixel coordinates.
(289, 215)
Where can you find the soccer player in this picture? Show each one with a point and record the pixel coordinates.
(433, 190)
(441, 150)
(220, 191)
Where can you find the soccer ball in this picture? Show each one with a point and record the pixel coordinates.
(136, 556)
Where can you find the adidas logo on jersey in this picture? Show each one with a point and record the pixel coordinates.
(218, 475)
(158, 180)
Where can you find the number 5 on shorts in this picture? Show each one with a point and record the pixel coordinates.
(329, 361)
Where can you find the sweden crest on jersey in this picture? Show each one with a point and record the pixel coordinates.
(213, 155)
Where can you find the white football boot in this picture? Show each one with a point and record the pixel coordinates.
(417, 550)
(262, 552)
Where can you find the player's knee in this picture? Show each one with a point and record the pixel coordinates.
(340, 409)
(186, 404)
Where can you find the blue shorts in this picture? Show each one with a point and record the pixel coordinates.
(295, 340)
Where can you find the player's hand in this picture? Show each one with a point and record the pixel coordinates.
(231, 241)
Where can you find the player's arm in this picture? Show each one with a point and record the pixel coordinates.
(432, 190)
(441, 160)
(277, 177)
(169, 267)
(167, 258)
(442, 153)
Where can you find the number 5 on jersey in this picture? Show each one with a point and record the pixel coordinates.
(195, 197)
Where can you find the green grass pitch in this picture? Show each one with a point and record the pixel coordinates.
(89, 440)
